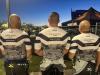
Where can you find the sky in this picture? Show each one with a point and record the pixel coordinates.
(37, 11)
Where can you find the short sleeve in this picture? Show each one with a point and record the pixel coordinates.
(27, 42)
(37, 44)
(74, 46)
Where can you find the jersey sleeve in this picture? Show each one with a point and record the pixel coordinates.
(37, 44)
(27, 42)
(68, 43)
(74, 46)
(1, 45)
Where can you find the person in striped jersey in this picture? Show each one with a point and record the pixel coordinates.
(86, 47)
(52, 43)
(16, 47)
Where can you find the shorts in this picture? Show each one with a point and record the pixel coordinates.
(16, 67)
(47, 62)
(89, 69)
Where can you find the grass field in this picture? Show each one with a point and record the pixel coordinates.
(2, 72)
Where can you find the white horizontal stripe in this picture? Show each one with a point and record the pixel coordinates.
(88, 47)
(37, 46)
(72, 51)
(67, 46)
(13, 43)
(74, 44)
(52, 42)
(28, 47)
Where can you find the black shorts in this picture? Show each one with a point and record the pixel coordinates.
(89, 69)
(53, 70)
(16, 67)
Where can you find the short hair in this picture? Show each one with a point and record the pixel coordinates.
(54, 14)
(84, 26)
(14, 15)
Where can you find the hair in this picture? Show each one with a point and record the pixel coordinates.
(84, 26)
(53, 19)
(54, 14)
(12, 26)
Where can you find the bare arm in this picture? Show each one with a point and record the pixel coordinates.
(39, 52)
(71, 55)
(97, 60)
(65, 51)
(2, 50)
(29, 54)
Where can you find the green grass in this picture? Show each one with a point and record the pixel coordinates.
(2, 72)
(35, 64)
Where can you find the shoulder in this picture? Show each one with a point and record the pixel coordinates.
(77, 37)
(24, 33)
(45, 30)
(94, 36)
(62, 30)
(5, 32)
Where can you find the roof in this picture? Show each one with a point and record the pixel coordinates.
(90, 14)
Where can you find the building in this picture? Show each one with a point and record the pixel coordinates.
(91, 14)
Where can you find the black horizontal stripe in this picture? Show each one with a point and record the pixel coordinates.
(14, 40)
(21, 37)
(79, 42)
(86, 44)
(74, 47)
(43, 37)
(97, 42)
(7, 40)
(53, 38)
(65, 36)
(37, 41)
(69, 41)
(27, 43)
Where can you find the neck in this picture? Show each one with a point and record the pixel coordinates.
(13, 28)
(53, 25)
(85, 32)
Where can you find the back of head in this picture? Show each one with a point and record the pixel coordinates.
(84, 26)
(53, 19)
(14, 21)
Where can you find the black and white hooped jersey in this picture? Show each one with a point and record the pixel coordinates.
(86, 44)
(53, 40)
(14, 42)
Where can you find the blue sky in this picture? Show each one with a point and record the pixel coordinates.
(37, 11)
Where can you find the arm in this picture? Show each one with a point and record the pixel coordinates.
(73, 49)
(1, 49)
(67, 46)
(65, 51)
(28, 46)
(71, 55)
(39, 52)
(97, 61)
(38, 47)
(29, 54)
